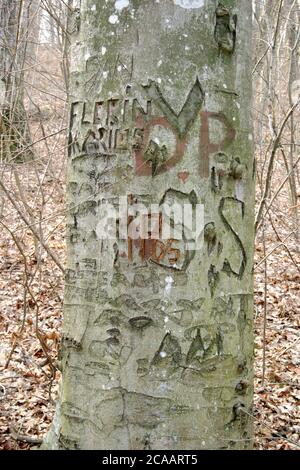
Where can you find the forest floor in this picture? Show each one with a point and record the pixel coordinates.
(30, 325)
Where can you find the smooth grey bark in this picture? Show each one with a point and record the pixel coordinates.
(157, 346)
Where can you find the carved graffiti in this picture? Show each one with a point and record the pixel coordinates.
(222, 308)
(207, 146)
(118, 124)
(227, 267)
(162, 250)
(173, 253)
(118, 408)
(140, 322)
(155, 331)
(220, 165)
(198, 351)
(183, 176)
(180, 122)
(152, 159)
(168, 356)
(109, 126)
(225, 167)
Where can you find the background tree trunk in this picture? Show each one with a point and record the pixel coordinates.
(294, 86)
(13, 123)
(157, 340)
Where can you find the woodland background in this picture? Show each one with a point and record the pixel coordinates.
(33, 53)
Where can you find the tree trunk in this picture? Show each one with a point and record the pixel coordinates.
(14, 133)
(157, 344)
(33, 14)
(294, 95)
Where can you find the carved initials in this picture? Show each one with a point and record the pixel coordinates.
(180, 122)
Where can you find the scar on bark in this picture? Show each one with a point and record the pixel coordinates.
(224, 166)
(242, 320)
(147, 442)
(242, 386)
(213, 279)
(67, 443)
(75, 325)
(140, 322)
(225, 29)
(155, 155)
(210, 236)
(236, 169)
